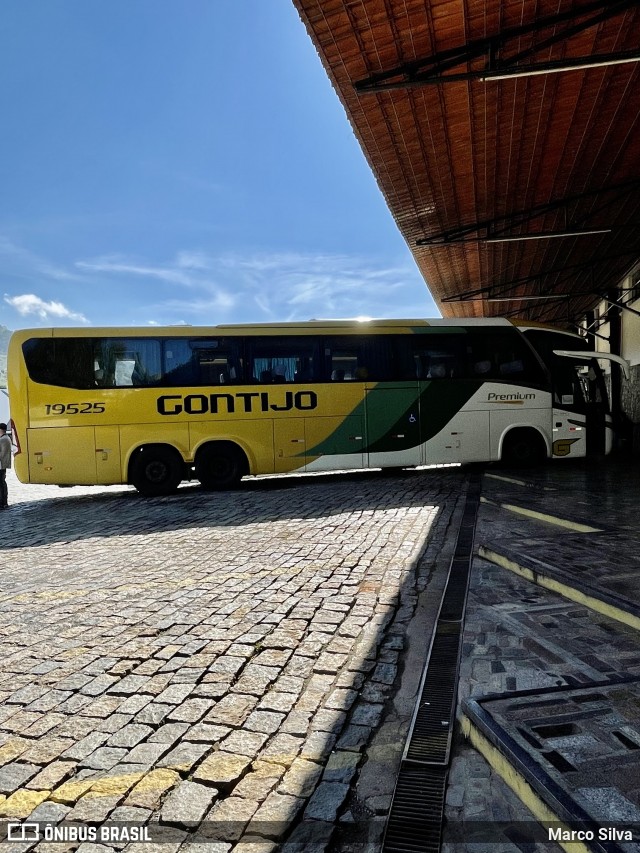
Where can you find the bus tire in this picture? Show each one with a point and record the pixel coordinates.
(523, 448)
(156, 471)
(220, 465)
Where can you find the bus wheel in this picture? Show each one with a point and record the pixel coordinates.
(156, 471)
(523, 448)
(220, 465)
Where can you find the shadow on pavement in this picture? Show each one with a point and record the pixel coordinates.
(256, 501)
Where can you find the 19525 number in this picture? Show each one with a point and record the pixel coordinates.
(74, 408)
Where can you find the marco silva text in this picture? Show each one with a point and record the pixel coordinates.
(603, 833)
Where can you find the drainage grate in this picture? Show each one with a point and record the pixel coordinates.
(415, 818)
(430, 739)
(455, 596)
(415, 822)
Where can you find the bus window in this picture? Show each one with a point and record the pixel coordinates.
(503, 356)
(351, 359)
(65, 362)
(202, 361)
(343, 361)
(122, 362)
(283, 360)
(574, 383)
(438, 356)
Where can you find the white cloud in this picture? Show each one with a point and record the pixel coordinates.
(299, 286)
(194, 260)
(169, 274)
(205, 310)
(29, 303)
(253, 287)
(23, 264)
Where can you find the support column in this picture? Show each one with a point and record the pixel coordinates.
(615, 344)
(590, 317)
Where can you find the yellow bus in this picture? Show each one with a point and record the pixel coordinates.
(156, 406)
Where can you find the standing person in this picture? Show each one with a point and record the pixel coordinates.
(5, 462)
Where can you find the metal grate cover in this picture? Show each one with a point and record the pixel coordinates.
(430, 739)
(415, 818)
(415, 823)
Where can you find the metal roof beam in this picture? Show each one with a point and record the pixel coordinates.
(598, 296)
(594, 60)
(437, 68)
(493, 290)
(497, 228)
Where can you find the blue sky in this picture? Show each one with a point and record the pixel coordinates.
(168, 162)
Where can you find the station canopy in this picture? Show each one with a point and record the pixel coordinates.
(505, 137)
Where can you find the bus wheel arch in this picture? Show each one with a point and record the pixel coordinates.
(156, 469)
(221, 464)
(523, 447)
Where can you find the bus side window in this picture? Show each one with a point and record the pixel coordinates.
(359, 359)
(124, 362)
(503, 355)
(482, 367)
(65, 362)
(214, 367)
(283, 360)
(201, 361)
(343, 356)
(439, 356)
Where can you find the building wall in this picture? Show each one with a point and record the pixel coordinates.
(631, 396)
(631, 351)
(630, 348)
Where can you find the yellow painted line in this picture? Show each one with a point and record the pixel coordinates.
(518, 784)
(109, 786)
(543, 516)
(21, 803)
(519, 482)
(506, 479)
(563, 589)
(156, 780)
(14, 747)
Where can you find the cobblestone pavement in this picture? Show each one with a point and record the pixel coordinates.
(213, 660)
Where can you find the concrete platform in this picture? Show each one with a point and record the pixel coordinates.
(549, 678)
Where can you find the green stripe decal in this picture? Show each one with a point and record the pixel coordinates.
(440, 401)
(399, 416)
(393, 420)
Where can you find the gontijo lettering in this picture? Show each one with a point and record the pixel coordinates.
(243, 401)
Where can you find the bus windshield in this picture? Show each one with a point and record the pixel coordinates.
(575, 383)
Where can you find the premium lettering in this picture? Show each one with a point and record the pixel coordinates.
(506, 398)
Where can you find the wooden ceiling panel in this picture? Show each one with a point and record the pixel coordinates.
(460, 161)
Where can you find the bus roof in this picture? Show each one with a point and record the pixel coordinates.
(353, 325)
